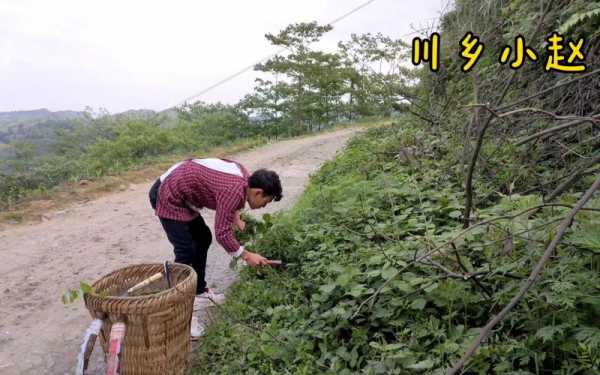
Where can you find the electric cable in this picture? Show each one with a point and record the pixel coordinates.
(249, 67)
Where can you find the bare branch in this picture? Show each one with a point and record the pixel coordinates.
(449, 273)
(582, 120)
(478, 283)
(485, 331)
(438, 249)
(470, 125)
(579, 173)
(543, 92)
(532, 109)
(422, 117)
(540, 186)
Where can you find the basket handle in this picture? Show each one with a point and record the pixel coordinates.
(143, 283)
(87, 346)
(117, 334)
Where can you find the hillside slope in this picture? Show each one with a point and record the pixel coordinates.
(383, 279)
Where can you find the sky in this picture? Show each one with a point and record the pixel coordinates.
(121, 55)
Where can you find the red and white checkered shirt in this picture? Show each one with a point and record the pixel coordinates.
(192, 184)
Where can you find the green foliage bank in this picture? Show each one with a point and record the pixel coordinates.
(359, 297)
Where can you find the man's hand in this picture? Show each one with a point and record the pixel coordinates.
(238, 222)
(253, 259)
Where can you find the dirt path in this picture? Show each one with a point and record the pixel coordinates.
(40, 261)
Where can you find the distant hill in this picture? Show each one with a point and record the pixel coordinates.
(134, 114)
(40, 126)
(8, 119)
(37, 127)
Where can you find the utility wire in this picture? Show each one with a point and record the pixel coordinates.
(249, 67)
(229, 78)
(351, 12)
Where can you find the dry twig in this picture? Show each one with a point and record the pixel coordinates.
(545, 132)
(485, 331)
(548, 90)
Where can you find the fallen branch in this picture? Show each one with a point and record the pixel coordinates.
(550, 89)
(449, 273)
(439, 248)
(582, 120)
(568, 183)
(534, 110)
(478, 283)
(485, 331)
(540, 186)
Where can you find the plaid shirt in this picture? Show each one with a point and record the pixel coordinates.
(192, 184)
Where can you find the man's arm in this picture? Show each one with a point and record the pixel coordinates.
(227, 203)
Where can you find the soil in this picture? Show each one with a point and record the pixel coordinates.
(41, 261)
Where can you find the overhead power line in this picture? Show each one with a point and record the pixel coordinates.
(351, 12)
(249, 67)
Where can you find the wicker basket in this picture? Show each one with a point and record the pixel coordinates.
(157, 338)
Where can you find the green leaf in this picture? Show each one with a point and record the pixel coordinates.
(394, 346)
(547, 333)
(418, 304)
(388, 272)
(590, 336)
(422, 365)
(374, 273)
(587, 236)
(578, 18)
(417, 281)
(70, 296)
(357, 290)
(327, 288)
(402, 286)
(430, 288)
(344, 279)
(85, 288)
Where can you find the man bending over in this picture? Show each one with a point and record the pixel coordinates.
(218, 184)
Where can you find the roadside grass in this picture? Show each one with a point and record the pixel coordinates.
(362, 295)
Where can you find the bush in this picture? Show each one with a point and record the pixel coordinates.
(136, 142)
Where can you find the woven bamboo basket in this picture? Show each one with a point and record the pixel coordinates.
(157, 338)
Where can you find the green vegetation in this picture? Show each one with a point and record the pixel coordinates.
(498, 144)
(424, 236)
(427, 236)
(356, 301)
(109, 145)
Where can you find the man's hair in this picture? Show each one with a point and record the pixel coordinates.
(268, 181)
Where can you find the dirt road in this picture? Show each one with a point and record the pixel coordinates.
(40, 261)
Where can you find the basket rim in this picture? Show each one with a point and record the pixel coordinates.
(132, 298)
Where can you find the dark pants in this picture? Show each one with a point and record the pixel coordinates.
(190, 240)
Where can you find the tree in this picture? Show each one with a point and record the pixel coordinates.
(309, 90)
(376, 80)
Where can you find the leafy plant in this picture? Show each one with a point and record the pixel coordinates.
(358, 302)
(74, 294)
